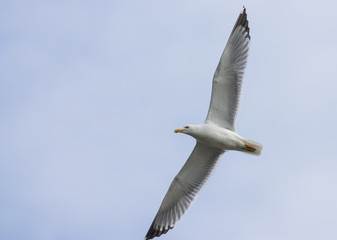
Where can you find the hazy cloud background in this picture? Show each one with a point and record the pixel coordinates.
(90, 92)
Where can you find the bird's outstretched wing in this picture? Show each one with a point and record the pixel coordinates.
(228, 76)
(184, 188)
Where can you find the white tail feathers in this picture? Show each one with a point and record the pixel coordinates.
(252, 147)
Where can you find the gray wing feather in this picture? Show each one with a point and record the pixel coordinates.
(228, 76)
(184, 188)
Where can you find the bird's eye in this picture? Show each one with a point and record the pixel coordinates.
(186, 127)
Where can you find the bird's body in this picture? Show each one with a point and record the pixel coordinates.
(218, 137)
(215, 136)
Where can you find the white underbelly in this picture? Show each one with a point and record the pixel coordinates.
(221, 138)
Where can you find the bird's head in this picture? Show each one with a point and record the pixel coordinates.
(187, 129)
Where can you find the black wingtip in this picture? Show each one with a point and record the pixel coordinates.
(153, 232)
(242, 21)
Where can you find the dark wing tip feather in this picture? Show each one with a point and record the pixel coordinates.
(153, 232)
(243, 22)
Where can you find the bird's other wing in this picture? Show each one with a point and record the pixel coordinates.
(184, 188)
(228, 76)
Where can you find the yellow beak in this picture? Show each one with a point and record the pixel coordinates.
(178, 130)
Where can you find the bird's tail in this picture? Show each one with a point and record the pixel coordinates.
(252, 147)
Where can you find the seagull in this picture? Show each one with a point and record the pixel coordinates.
(214, 136)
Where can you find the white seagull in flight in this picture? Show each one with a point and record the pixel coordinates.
(215, 136)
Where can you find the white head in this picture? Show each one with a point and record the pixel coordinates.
(188, 129)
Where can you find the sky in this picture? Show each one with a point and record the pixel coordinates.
(91, 91)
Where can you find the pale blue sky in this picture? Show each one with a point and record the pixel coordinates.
(91, 91)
